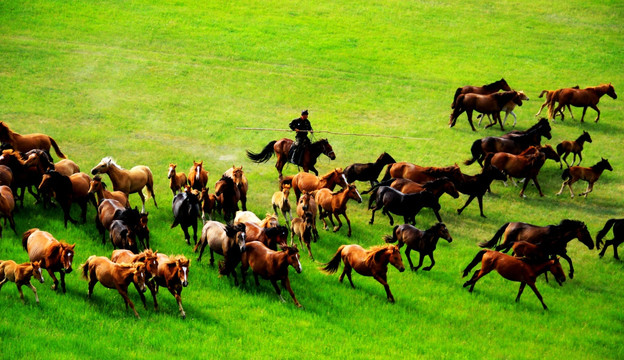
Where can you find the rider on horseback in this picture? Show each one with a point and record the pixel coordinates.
(302, 126)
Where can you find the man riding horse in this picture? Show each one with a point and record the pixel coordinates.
(302, 126)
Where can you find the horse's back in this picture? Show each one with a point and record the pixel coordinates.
(246, 216)
(122, 256)
(80, 184)
(38, 243)
(66, 167)
(305, 181)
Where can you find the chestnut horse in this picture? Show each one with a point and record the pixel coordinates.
(279, 200)
(281, 148)
(369, 171)
(271, 237)
(514, 269)
(508, 109)
(225, 240)
(148, 257)
(483, 90)
(486, 104)
(28, 142)
(336, 204)
(114, 276)
(177, 181)
(66, 167)
(7, 207)
(424, 242)
(198, 177)
(307, 203)
(588, 97)
(421, 174)
(173, 275)
(209, 204)
(272, 265)
(54, 255)
(236, 173)
(618, 236)
(523, 166)
(372, 262)
(308, 182)
(20, 275)
(129, 181)
(589, 174)
(549, 95)
(575, 147)
(98, 187)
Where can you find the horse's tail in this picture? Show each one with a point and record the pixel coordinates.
(149, 185)
(56, 148)
(25, 237)
(560, 149)
(490, 244)
(488, 160)
(477, 259)
(382, 183)
(566, 174)
(542, 93)
(334, 263)
(476, 152)
(264, 155)
(392, 238)
(387, 174)
(603, 232)
(457, 92)
(84, 268)
(551, 104)
(457, 110)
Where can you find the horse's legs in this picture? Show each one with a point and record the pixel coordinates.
(469, 114)
(62, 275)
(194, 225)
(520, 290)
(408, 251)
(187, 236)
(277, 290)
(309, 250)
(584, 110)
(383, 281)
(565, 156)
(604, 248)
(347, 271)
(256, 278)
(567, 258)
(141, 295)
(539, 296)
(322, 216)
(570, 110)
(176, 294)
(598, 111)
(286, 284)
(615, 253)
(348, 223)
(480, 200)
(390, 217)
(83, 210)
(420, 261)
(336, 228)
(432, 262)
(372, 219)
(459, 211)
(123, 291)
(34, 290)
(515, 118)
(19, 289)
(92, 281)
(55, 281)
(153, 290)
(589, 189)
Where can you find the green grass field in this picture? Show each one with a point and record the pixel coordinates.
(151, 83)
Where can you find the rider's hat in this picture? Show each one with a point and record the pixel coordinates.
(304, 112)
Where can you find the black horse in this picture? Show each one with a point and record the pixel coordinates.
(122, 237)
(369, 171)
(406, 205)
(186, 211)
(424, 242)
(477, 185)
(618, 236)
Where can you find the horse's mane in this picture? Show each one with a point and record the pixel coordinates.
(494, 84)
(270, 217)
(328, 175)
(173, 259)
(231, 230)
(370, 254)
(227, 179)
(110, 161)
(434, 171)
(436, 182)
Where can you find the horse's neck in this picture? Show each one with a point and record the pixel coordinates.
(598, 169)
(281, 260)
(115, 174)
(430, 238)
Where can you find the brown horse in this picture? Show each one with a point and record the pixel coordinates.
(148, 257)
(177, 181)
(98, 188)
(308, 182)
(198, 177)
(508, 109)
(421, 174)
(483, 90)
(227, 194)
(54, 255)
(109, 210)
(575, 147)
(523, 166)
(28, 142)
(271, 237)
(236, 173)
(302, 227)
(437, 187)
(209, 204)
(7, 207)
(372, 262)
(588, 97)
(281, 148)
(279, 200)
(549, 95)
(6, 175)
(589, 174)
(272, 265)
(114, 276)
(66, 167)
(25, 173)
(129, 181)
(486, 104)
(336, 204)
(368, 171)
(20, 275)
(424, 242)
(514, 269)
(307, 203)
(173, 275)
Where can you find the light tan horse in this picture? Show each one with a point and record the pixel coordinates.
(198, 177)
(27, 142)
(588, 97)
(7, 206)
(236, 173)
(54, 255)
(99, 188)
(308, 182)
(114, 276)
(307, 203)
(280, 201)
(302, 228)
(177, 181)
(66, 167)
(20, 275)
(246, 216)
(336, 204)
(129, 181)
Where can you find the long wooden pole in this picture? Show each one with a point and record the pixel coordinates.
(337, 133)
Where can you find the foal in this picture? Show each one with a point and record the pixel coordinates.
(302, 227)
(590, 174)
(280, 201)
(20, 275)
(424, 242)
(567, 146)
(177, 181)
(336, 204)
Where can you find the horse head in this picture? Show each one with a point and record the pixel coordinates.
(611, 91)
(36, 270)
(96, 184)
(67, 256)
(556, 269)
(103, 166)
(582, 233)
(292, 256)
(140, 276)
(585, 136)
(549, 152)
(395, 257)
(503, 84)
(353, 193)
(151, 261)
(172, 170)
(338, 177)
(327, 149)
(237, 232)
(304, 200)
(182, 267)
(441, 231)
(604, 164)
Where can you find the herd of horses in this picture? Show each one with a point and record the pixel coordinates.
(262, 244)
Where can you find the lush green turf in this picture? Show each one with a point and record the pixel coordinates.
(152, 84)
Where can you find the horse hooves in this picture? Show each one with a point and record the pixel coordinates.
(571, 275)
(427, 269)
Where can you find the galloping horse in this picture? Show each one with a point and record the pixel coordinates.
(198, 177)
(308, 182)
(424, 242)
(99, 188)
(549, 95)
(122, 237)
(110, 210)
(566, 147)
(281, 148)
(483, 90)
(588, 97)
(486, 104)
(20, 275)
(336, 204)
(475, 186)
(148, 257)
(28, 142)
(177, 180)
(54, 255)
(68, 190)
(271, 237)
(421, 174)
(7, 206)
(227, 194)
(590, 174)
(236, 173)
(173, 275)
(438, 187)
(302, 228)
(272, 265)
(372, 262)
(523, 166)
(185, 207)
(307, 203)
(618, 236)
(129, 181)
(209, 204)
(225, 240)
(553, 237)
(514, 269)
(369, 171)
(393, 201)
(279, 200)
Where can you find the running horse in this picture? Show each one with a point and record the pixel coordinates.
(54, 255)
(236, 173)
(20, 274)
(486, 104)
(573, 146)
(198, 177)
(281, 148)
(308, 182)
(368, 171)
(25, 143)
(425, 242)
(336, 204)
(482, 90)
(421, 174)
(588, 97)
(129, 181)
(589, 174)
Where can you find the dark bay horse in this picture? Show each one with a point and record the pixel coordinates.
(514, 269)
(281, 148)
(237, 174)
(553, 237)
(54, 255)
(186, 212)
(424, 242)
(438, 187)
(226, 240)
(228, 195)
(589, 174)
(272, 265)
(28, 142)
(588, 97)
(393, 201)
(122, 237)
(475, 186)
(573, 146)
(20, 274)
(109, 210)
(172, 275)
(618, 236)
(483, 90)
(271, 237)
(373, 262)
(68, 190)
(336, 204)
(485, 104)
(368, 171)
(7, 207)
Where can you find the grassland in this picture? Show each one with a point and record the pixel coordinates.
(151, 83)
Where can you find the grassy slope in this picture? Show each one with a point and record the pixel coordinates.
(152, 84)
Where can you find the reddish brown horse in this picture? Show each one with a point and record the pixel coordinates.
(421, 174)
(549, 95)
(228, 195)
(114, 276)
(28, 142)
(590, 174)
(281, 148)
(308, 182)
(177, 180)
(486, 104)
(148, 257)
(66, 167)
(98, 188)
(523, 166)
(54, 255)
(372, 262)
(209, 204)
(437, 187)
(272, 265)
(20, 275)
(7, 206)
(514, 269)
(573, 146)
(588, 97)
(271, 237)
(483, 90)
(198, 177)
(336, 204)
(173, 275)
